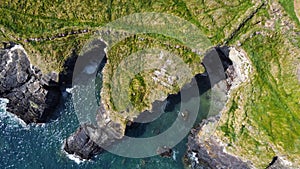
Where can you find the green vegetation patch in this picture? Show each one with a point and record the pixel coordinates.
(144, 68)
(138, 91)
(288, 6)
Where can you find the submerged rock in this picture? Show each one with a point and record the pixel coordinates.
(32, 96)
(165, 151)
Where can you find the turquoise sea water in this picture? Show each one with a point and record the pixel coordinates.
(40, 146)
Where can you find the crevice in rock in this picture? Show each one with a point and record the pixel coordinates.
(272, 162)
(30, 98)
(242, 24)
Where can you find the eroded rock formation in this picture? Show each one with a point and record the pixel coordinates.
(108, 131)
(32, 96)
(205, 149)
(81, 144)
(210, 153)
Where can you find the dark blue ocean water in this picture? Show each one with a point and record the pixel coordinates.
(40, 146)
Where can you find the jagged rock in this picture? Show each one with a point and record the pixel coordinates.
(107, 131)
(164, 151)
(204, 148)
(209, 153)
(20, 82)
(81, 144)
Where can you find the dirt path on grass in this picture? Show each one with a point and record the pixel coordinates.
(297, 8)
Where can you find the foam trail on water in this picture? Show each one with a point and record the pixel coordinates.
(174, 154)
(69, 90)
(3, 103)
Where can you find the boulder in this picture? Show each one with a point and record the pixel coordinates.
(80, 144)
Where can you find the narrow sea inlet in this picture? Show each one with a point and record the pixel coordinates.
(37, 146)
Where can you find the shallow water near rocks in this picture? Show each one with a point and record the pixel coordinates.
(40, 146)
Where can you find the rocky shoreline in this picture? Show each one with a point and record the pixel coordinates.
(203, 148)
(108, 131)
(210, 153)
(206, 150)
(32, 96)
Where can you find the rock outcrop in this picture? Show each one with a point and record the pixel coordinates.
(32, 96)
(210, 153)
(108, 131)
(80, 143)
(90, 140)
(279, 163)
(204, 148)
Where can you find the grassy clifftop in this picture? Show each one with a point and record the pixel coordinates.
(27, 22)
(262, 117)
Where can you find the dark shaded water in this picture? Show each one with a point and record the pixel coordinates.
(39, 146)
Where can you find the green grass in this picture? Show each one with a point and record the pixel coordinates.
(137, 92)
(54, 53)
(267, 121)
(28, 19)
(272, 112)
(270, 103)
(288, 5)
(269, 112)
(142, 90)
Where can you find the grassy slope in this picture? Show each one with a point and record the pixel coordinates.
(268, 109)
(144, 93)
(30, 19)
(263, 118)
(288, 6)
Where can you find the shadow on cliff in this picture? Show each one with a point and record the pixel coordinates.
(77, 70)
(216, 62)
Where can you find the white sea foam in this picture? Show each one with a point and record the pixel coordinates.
(174, 154)
(3, 103)
(12, 119)
(69, 90)
(74, 157)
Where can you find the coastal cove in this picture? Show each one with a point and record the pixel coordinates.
(44, 141)
(37, 145)
(150, 84)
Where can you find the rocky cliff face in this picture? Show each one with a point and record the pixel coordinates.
(210, 153)
(107, 131)
(80, 143)
(86, 141)
(205, 148)
(32, 96)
